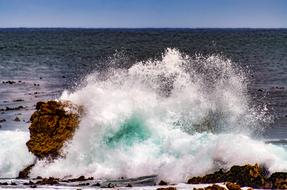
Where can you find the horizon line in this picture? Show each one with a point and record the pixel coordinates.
(60, 27)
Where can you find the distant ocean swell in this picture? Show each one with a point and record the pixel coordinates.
(176, 117)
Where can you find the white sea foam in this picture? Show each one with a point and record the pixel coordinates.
(174, 117)
(14, 155)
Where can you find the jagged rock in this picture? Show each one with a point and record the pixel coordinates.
(278, 180)
(232, 186)
(25, 173)
(52, 125)
(248, 175)
(48, 181)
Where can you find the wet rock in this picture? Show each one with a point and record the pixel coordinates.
(129, 185)
(232, 186)
(25, 173)
(18, 100)
(166, 188)
(4, 183)
(33, 186)
(48, 181)
(8, 82)
(162, 183)
(17, 119)
(81, 178)
(278, 180)
(248, 175)
(13, 183)
(52, 125)
(214, 187)
(97, 185)
(29, 183)
(2, 120)
(84, 184)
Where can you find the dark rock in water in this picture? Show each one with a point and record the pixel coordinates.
(52, 125)
(2, 120)
(4, 183)
(162, 183)
(278, 180)
(18, 100)
(81, 178)
(48, 181)
(232, 186)
(166, 188)
(97, 185)
(17, 119)
(25, 173)
(248, 175)
(8, 82)
(212, 187)
(129, 185)
(30, 183)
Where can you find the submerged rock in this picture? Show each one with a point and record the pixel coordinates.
(52, 125)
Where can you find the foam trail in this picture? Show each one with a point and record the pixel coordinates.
(174, 117)
(14, 155)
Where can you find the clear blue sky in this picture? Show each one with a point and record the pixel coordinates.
(144, 13)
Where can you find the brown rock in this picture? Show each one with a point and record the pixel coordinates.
(162, 182)
(278, 180)
(248, 175)
(51, 126)
(214, 187)
(232, 186)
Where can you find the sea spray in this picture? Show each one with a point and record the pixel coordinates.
(14, 155)
(175, 117)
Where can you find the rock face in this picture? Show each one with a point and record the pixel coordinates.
(51, 126)
(248, 175)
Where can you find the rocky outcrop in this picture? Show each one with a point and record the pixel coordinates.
(278, 180)
(52, 125)
(248, 176)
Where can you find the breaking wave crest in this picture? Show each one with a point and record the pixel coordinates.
(174, 117)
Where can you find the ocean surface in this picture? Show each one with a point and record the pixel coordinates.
(158, 100)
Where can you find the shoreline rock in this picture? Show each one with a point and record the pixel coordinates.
(52, 124)
(254, 176)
